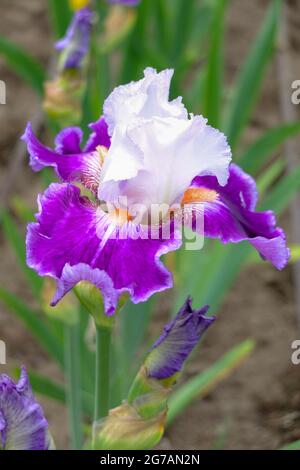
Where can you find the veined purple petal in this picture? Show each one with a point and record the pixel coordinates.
(68, 160)
(99, 135)
(71, 275)
(68, 141)
(230, 216)
(76, 42)
(177, 341)
(3, 428)
(22, 422)
(71, 230)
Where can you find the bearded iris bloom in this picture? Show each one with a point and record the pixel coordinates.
(22, 422)
(145, 150)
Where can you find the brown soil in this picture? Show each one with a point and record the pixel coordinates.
(258, 407)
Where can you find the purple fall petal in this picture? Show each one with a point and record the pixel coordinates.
(177, 341)
(68, 141)
(68, 160)
(99, 135)
(71, 275)
(231, 217)
(70, 230)
(2, 430)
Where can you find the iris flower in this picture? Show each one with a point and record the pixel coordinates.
(75, 45)
(22, 422)
(146, 151)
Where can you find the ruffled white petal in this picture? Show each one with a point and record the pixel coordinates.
(156, 148)
(174, 152)
(125, 106)
(124, 158)
(146, 98)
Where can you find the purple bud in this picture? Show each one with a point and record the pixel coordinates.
(177, 341)
(75, 44)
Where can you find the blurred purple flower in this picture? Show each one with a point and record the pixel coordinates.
(177, 341)
(75, 45)
(22, 422)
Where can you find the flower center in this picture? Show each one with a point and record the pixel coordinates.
(121, 216)
(193, 195)
(102, 152)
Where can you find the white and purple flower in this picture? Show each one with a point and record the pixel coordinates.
(22, 422)
(147, 151)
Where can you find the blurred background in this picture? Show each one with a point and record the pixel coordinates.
(258, 405)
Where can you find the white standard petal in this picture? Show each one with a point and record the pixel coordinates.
(123, 161)
(174, 152)
(145, 98)
(127, 106)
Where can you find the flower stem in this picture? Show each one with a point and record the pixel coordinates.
(103, 343)
(73, 388)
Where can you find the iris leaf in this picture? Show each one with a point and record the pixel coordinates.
(23, 64)
(39, 329)
(269, 176)
(247, 87)
(282, 194)
(60, 14)
(259, 152)
(292, 446)
(214, 70)
(134, 57)
(16, 240)
(54, 390)
(184, 16)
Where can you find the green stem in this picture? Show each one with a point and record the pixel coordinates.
(103, 343)
(73, 388)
